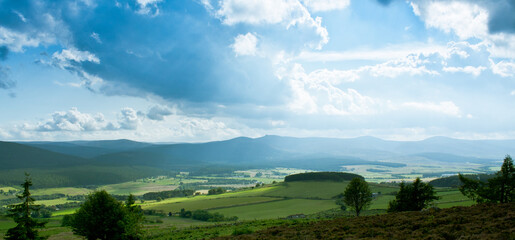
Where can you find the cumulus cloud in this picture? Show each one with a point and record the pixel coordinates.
(72, 120)
(158, 113)
(466, 20)
(286, 12)
(473, 19)
(129, 119)
(446, 107)
(475, 71)
(326, 5)
(245, 45)
(312, 94)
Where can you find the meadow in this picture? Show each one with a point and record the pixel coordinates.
(255, 207)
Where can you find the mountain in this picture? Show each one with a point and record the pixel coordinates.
(89, 149)
(15, 155)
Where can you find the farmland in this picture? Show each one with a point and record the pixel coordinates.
(256, 207)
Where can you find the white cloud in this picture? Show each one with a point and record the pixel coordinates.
(466, 20)
(446, 107)
(95, 36)
(66, 56)
(312, 94)
(245, 45)
(129, 119)
(256, 12)
(72, 120)
(476, 71)
(512, 93)
(16, 41)
(326, 5)
(148, 7)
(503, 68)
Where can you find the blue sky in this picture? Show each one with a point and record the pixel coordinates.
(203, 70)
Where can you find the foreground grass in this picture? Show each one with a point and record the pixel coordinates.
(488, 221)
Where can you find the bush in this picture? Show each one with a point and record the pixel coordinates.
(241, 231)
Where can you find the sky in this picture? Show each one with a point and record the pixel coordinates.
(206, 70)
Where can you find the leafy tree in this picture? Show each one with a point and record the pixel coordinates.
(412, 197)
(357, 195)
(21, 214)
(214, 191)
(500, 188)
(103, 217)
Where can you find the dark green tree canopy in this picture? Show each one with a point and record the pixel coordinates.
(357, 195)
(500, 188)
(412, 197)
(103, 217)
(21, 213)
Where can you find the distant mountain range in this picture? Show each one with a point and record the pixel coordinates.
(263, 151)
(242, 152)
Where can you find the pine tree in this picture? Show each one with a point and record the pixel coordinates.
(21, 214)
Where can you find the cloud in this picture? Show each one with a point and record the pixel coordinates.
(158, 113)
(512, 93)
(503, 68)
(489, 21)
(67, 56)
(326, 5)
(3, 52)
(148, 7)
(446, 107)
(475, 71)
(288, 13)
(245, 45)
(466, 20)
(129, 119)
(17, 41)
(72, 120)
(312, 95)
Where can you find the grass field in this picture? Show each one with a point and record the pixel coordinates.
(67, 191)
(203, 203)
(277, 209)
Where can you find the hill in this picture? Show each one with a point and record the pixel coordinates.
(454, 181)
(487, 221)
(15, 155)
(322, 176)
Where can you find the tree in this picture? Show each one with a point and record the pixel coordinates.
(357, 195)
(500, 188)
(413, 197)
(103, 217)
(21, 213)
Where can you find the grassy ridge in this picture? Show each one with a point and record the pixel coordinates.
(494, 221)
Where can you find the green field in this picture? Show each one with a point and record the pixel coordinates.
(277, 209)
(206, 203)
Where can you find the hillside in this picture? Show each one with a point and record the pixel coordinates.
(485, 221)
(15, 155)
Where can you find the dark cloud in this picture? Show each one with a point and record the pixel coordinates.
(385, 2)
(502, 16)
(3, 53)
(182, 53)
(158, 113)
